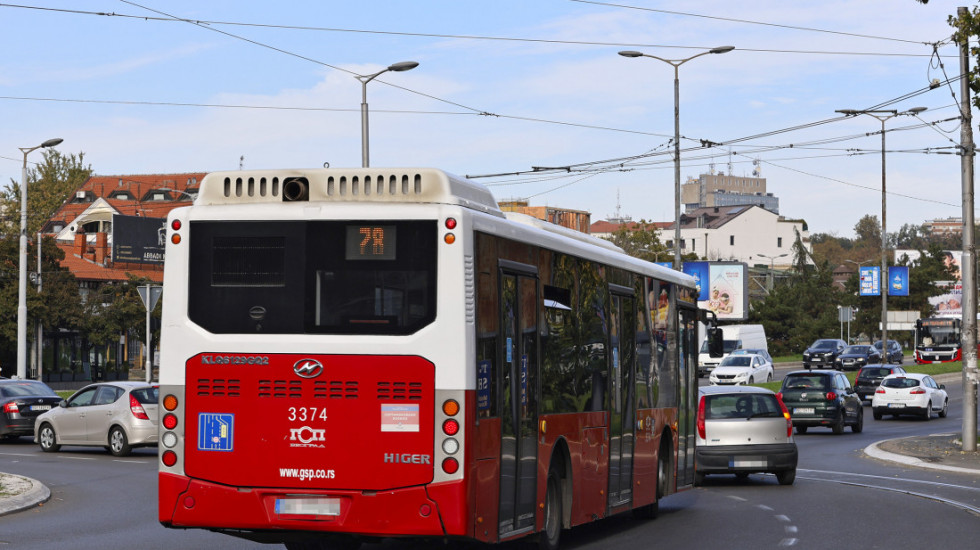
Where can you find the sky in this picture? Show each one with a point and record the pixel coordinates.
(503, 88)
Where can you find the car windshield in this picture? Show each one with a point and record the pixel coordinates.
(824, 344)
(737, 361)
(806, 381)
(874, 372)
(891, 344)
(900, 382)
(25, 389)
(741, 406)
(858, 350)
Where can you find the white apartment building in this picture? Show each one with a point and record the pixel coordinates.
(749, 234)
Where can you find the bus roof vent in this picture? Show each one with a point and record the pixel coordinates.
(418, 185)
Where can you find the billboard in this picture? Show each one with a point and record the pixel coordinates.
(952, 259)
(898, 280)
(136, 239)
(869, 283)
(722, 288)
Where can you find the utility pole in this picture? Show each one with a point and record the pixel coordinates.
(968, 262)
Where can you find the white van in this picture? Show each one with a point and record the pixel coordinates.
(735, 337)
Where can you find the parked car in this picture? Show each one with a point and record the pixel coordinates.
(910, 393)
(895, 353)
(855, 357)
(823, 353)
(743, 430)
(741, 369)
(116, 415)
(822, 398)
(754, 351)
(870, 376)
(21, 401)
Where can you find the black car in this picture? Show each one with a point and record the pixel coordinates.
(21, 401)
(895, 354)
(822, 398)
(870, 377)
(855, 357)
(823, 352)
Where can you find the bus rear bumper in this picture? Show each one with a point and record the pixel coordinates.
(188, 503)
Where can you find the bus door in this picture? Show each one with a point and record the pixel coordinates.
(519, 305)
(689, 392)
(622, 420)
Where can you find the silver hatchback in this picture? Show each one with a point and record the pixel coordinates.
(743, 430)
(115, 415)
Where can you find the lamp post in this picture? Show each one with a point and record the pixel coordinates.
(397, 67)
(22, 288)
(772, 266)
(882, 115)
(676, 63)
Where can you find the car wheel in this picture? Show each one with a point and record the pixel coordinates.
(927, 413)
(751, 380)
(769, 377)
(118, 444)
(46, 438)
(877, 414)
(801, 429)
(549, 537)
(787, 477)
(859, 425)
(945, 409)
(838, 428)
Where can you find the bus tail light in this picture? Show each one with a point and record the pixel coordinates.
(169, 458)
(450, 465)
(450, 427)
(170, 402)
(450, 407)
(169, 421)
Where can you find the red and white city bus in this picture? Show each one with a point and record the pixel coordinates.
(939, 339)
(351, 354)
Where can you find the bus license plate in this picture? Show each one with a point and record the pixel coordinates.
(803, 410)
(308, 506)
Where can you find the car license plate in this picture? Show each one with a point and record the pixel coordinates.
(803, 410)
(40, 407)
(308, 506)
(896, 405)
(751, 462)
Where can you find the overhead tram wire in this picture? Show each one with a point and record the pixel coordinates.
(170, 19)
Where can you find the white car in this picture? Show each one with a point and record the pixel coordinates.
(909, 393)
(738, 370)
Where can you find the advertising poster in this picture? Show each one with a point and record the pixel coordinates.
(724, 289)
(898, 281)
(869, 283)
(701, 273)
(137, 239)
(950, 302)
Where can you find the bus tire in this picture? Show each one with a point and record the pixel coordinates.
(651, 510)
(550, 536)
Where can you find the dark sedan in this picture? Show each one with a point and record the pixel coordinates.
(21, 401)
(855, 357)
(823, 352)
(870, 377)
(895, 354)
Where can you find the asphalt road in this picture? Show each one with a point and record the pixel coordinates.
(841, 498)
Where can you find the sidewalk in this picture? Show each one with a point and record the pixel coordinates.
(20, 493)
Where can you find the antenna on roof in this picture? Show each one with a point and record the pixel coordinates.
(241, 163)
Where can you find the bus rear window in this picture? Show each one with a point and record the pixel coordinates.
(302, 277)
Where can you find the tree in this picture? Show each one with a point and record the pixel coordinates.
(113, 309)
(49, 185)
(640, 240)
(868, 231)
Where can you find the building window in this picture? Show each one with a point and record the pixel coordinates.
(779, 242)
(731, 240)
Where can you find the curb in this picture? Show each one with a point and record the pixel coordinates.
(874, 452)
(37, 494)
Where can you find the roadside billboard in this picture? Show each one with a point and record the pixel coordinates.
(722, 288)
(139, 240)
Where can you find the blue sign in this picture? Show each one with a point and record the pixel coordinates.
(898, 280)
(483, 386)
(869, 283)
(698, 270)
(215, 432)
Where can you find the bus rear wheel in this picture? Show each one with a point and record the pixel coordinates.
(549, 537)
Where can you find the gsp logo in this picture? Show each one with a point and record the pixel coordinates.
(307, 368)
(307, 435)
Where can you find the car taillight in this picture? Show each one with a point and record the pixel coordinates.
(918, 391)
(880, 390)
(11, 408)
(786, 415)
(701, 430)
(831, 396)
(136, 408)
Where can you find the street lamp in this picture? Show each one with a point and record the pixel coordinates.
(22, 288)
(397, 67)
(772, 266)
(882, 115)
(677, 137)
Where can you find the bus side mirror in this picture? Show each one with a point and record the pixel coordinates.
(716, 346)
